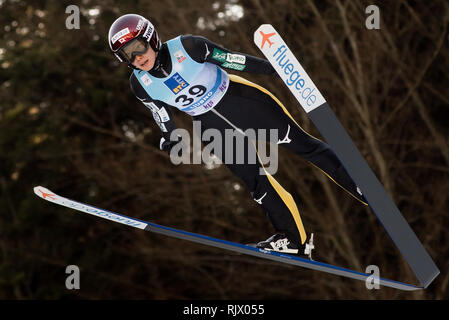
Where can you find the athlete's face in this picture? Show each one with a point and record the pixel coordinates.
(145, 61)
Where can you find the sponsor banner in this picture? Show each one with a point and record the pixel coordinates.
(140, 24)
(237, 58)
(235, 66)
(229, 60)
(288, 67)
(176, 83)
(148, 32)
(163, 115)
(219, 55)
(119, 34)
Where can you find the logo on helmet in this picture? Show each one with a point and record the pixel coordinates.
(119, 35)
(140, 24)
(148, 32)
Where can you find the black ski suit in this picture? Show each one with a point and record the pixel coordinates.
(247, 105)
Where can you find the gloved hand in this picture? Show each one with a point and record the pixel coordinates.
(166, 145)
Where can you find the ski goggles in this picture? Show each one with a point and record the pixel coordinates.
(133, 48)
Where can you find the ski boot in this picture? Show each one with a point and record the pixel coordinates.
(280, 243)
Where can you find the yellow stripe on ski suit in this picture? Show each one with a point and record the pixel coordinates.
(241, 80)
(289, 202)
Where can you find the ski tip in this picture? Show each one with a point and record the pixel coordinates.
(264, 26)
(262, 34)
(41, 191)
(36, 190)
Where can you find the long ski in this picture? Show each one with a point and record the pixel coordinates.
(48, 195)
(268, 40)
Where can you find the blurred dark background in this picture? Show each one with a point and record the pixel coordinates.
(68, 121)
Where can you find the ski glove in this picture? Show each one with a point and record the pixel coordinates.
(167, 145)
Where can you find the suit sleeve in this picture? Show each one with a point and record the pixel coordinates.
(203, 50)
(161, 111)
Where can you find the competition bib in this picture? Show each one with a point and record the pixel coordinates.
(192, 87)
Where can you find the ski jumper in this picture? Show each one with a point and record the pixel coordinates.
(191, 78)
